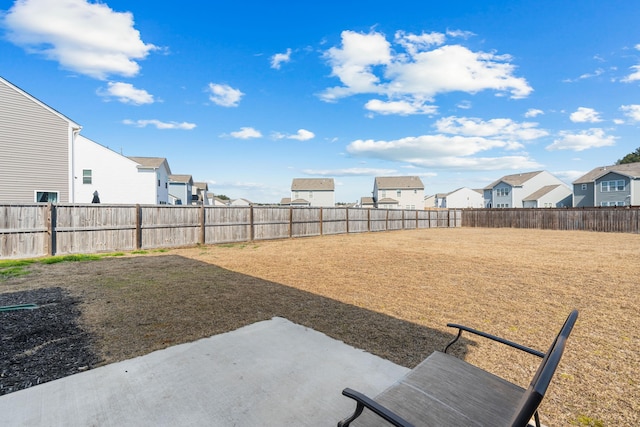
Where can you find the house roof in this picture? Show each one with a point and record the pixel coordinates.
(631, 170)
(540, 193)
(299, 202)
(306, 184)
(184, 179)
(387, 201)
(514, 180)
(151, 162)
(285, 201)
(398, 182)
(366, 200)
(201, 185)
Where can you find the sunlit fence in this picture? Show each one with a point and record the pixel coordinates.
(38, 229)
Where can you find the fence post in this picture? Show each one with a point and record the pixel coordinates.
(138, 227)
(347, 220)
(368, 219)
(51, 229)
(386, 221)
(203, 229)
(290, 221)
(321, 222)
(252, 232)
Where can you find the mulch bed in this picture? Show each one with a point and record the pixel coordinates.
(44, 343)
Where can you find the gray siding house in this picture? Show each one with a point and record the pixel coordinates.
(180, 189)
(615, 185)
(511, 191)
(36, 149)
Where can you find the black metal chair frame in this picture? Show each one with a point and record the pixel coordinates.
(528, 406)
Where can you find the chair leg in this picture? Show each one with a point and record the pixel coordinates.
(356, 414)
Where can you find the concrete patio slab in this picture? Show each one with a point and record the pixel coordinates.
(269, 373)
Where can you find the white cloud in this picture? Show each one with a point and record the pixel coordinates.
(84, 37)
(584, 140)
(585, 115)
(350, 172)
(224, 95)
(279, 58)
(635, 76)
(402, 108)
(441, 151)
(632, 111)
(302, 135)
(368, 64)
(159, 124)
(127, 94)
(533, 112)
(246, 133)
(494, 128)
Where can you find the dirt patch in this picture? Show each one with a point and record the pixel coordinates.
(392, 294)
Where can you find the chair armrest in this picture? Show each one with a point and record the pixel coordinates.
(491, 337)
(363, 401)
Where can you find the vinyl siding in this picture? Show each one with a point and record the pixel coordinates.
(34, 148)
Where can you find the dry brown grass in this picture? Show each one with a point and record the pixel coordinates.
(392, 294)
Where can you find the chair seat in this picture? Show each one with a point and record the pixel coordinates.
(446, 391)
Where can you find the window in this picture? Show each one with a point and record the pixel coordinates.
(47, 196)
(611, 203)
(296, 194)
(383, 193)
(616, 185)
(86, 176)
(501, 192)
(311, 194)
(584, 186)
(399, 193)
(158, 183)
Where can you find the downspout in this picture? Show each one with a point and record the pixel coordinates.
(72, 164)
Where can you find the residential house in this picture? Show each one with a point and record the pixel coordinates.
(36, 149)
(285, 201)
(440, 200)
(114, 178)
(398, 192)
(511, 190)
(240, 202)
(367, 203)
(615, 185)
(200, 194)
(430, 201)
(180, 189)
(313, 192)
(549, 196)
(463, 198)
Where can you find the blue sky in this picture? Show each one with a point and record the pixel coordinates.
(249, 95)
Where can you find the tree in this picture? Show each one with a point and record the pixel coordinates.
(222, 197)
(630, 158)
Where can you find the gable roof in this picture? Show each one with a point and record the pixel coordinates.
(42, 104)
(201, 185)
(632, 170)
(399, 182)
(387, 201)
(306, 184)
(366, 201)
(540, 193)
(151, 162)
(183, 179)
(514, 180)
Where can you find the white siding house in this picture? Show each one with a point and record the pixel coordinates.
(549, 196)
(398, 192)
(116, 178)
(313, 192)
(464, 198)
(36, 149)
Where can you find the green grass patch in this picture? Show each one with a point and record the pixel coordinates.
(14, 268)
(75, 257)
(140, 252)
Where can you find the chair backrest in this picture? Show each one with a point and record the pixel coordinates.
(538, 387)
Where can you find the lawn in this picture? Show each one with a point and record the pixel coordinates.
(389, 293)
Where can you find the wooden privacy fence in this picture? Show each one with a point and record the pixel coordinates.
(39, 229)
(605, 219)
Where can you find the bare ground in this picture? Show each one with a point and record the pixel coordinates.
(389, 293)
